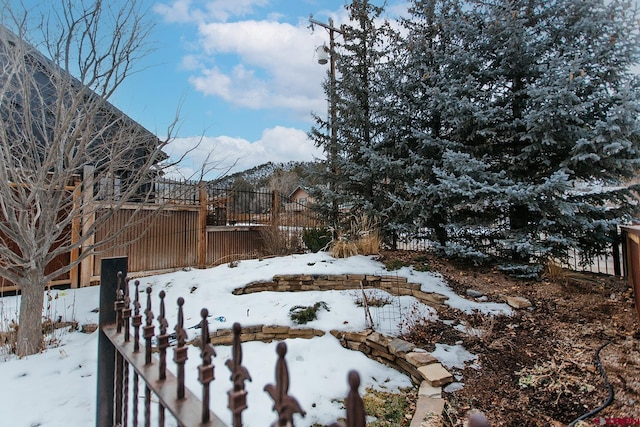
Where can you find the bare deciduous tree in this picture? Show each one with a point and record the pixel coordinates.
(57, 130)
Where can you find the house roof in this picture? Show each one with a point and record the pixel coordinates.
(46, 91)
(299, 187)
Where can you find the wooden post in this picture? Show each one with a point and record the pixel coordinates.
(633, 246)
(106, 351)
(202, 230)
(631, 251)
(74, 274)
(88, 219)
(275, 208)
(625, 259)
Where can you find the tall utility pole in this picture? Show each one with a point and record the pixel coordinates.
(333, 143)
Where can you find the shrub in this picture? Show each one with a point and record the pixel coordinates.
(394, 264)
(368, 236)
(344, 249)
(373, 297)
(278, 242)
(422, 266)
(522, 271)
(301, 314)
(369, 243)
(316, 239)
(421, 259)
(360, 237)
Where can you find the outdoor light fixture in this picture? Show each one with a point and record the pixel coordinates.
(327, 55)
(323, 54)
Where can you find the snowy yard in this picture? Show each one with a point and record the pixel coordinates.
(60, 383)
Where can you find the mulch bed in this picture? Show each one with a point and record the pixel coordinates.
(537, 366)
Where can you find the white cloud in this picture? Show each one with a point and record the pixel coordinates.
(226, 154)
(257, 64)
(220, 10)
(275, 66)
(190, 63)
(224, 9)
(179, 11)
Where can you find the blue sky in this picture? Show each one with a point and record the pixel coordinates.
(242, 74)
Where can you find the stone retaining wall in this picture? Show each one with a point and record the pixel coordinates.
(423, 368)
(395, 285)
(420, 366)
(264, 333)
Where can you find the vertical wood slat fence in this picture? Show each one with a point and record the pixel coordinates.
(631, 258)
(165, 241)
(196, 227)
(124, 366)
(205, 227)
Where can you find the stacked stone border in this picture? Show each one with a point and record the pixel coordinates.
(395, 285)
(264, 333)
(422, 367)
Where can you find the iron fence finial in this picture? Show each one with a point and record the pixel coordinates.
(149, 329)
(239, 374)
(286, 406)
(136, 320)
(206, 369)
(119, 303)
(356, 415)
(180, 351)
(163, 339)
(126, 311)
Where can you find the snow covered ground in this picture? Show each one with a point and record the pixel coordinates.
(58, 386)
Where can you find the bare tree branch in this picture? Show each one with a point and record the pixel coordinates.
(58, 131)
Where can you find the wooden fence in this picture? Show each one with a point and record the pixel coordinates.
(631, 257)
(153, 242)
(187, 225)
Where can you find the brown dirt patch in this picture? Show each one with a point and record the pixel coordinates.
(537, 366)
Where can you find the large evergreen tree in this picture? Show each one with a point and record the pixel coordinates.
(523, 125)
(418, 128)
(351, 172)
(563, 120)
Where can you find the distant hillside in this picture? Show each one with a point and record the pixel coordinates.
(284, 177)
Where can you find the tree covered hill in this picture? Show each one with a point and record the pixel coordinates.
(283, 177)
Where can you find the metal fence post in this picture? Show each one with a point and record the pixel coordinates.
(615, 237)
(109, 269)
(201, 239)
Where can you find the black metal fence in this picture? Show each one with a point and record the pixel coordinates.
(611, 263)
(233, 206)
(226, 206)
(125, 366)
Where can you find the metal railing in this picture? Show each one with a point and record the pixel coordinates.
(229, 206)
(124, 366)
(611, 263)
